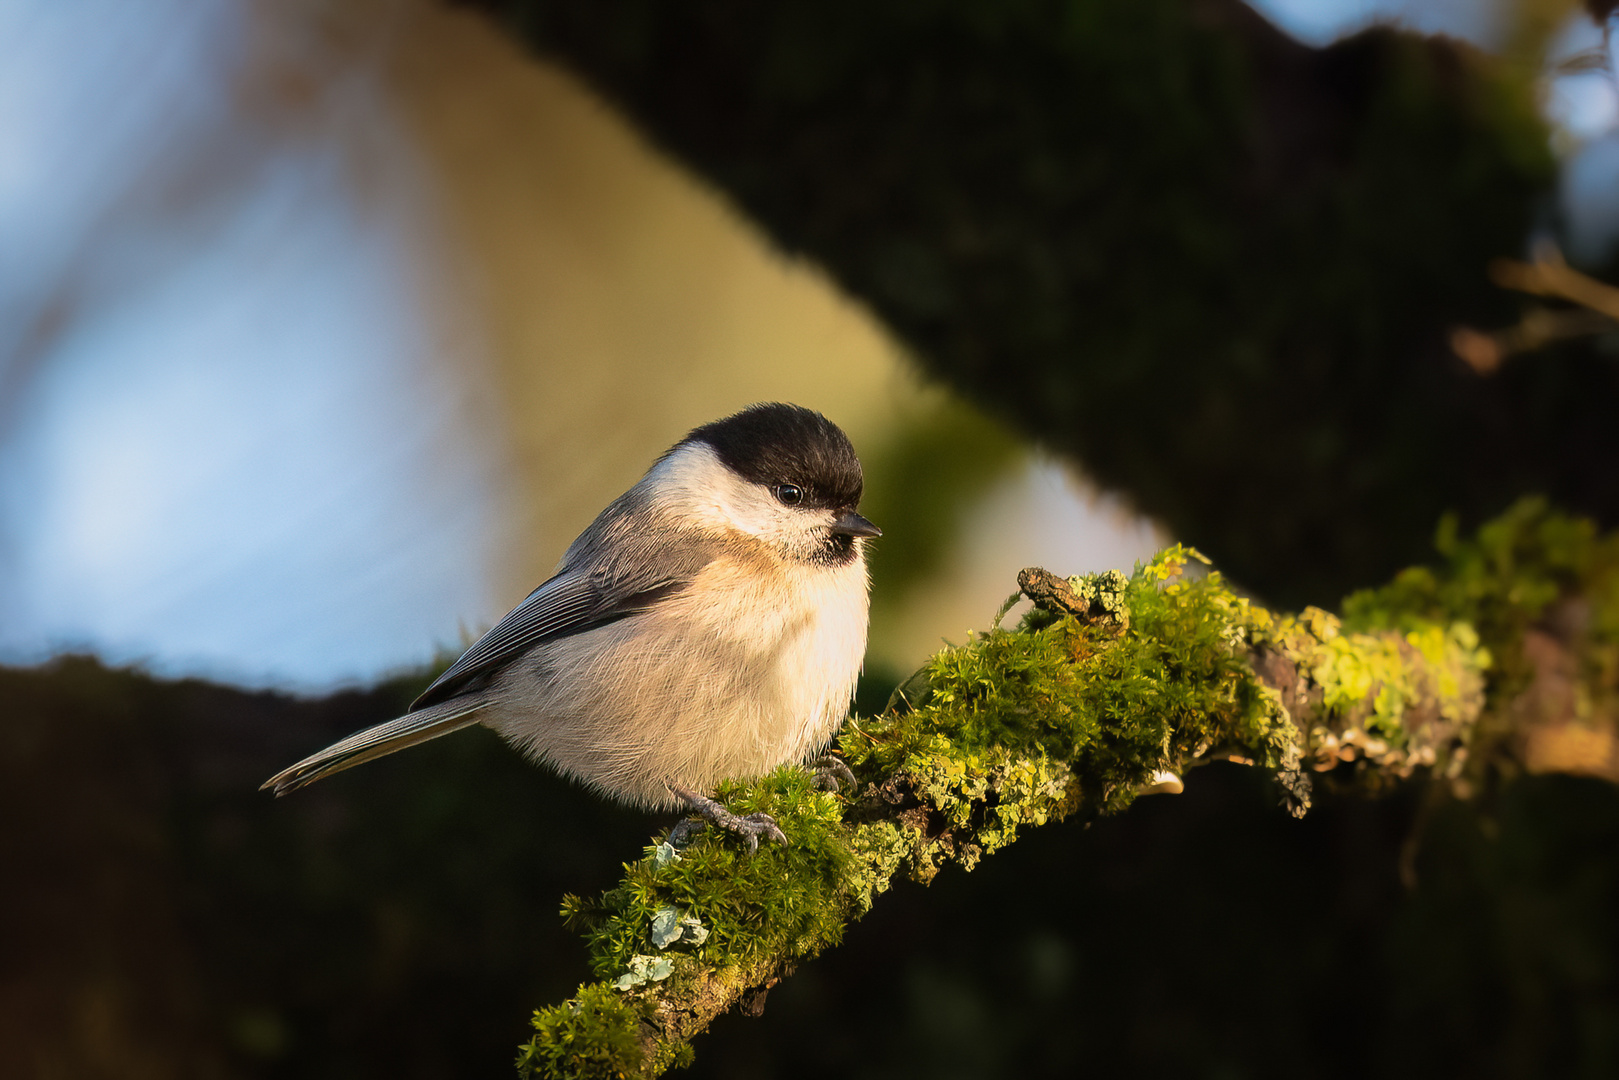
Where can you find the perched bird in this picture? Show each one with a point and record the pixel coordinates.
(710, 624)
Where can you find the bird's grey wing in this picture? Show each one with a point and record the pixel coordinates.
(577, 599)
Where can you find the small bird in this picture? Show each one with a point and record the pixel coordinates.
(710, 624)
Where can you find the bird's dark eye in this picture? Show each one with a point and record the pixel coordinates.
(789, 494)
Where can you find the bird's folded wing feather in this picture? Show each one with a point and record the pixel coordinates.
(579, 598)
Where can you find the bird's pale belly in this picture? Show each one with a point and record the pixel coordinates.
(623, 710)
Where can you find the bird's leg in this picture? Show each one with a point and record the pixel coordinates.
(832, 774)
(752, 828)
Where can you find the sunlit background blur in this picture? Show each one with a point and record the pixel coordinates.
(319, 343)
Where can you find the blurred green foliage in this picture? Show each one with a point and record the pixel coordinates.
(923, 477)
(1215, 266)
(1512, 577)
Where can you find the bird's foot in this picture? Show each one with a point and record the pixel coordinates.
(752, 828)
(832, 774)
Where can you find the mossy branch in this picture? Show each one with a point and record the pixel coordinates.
(1109, 686)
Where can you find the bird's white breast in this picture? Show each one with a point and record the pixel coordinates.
(750, 667)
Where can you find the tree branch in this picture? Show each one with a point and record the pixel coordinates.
(1104, 686)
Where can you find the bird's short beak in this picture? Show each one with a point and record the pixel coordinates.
(852, 524)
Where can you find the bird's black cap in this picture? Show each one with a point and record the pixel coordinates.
(788, 444)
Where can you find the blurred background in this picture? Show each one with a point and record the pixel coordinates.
(325, 326)
(328, 326)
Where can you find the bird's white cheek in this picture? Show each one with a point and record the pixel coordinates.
(695, 487)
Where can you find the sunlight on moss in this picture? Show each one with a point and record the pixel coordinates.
(1013, 729)
(1063, 715)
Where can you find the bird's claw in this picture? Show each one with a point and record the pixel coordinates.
(685, 831)
(756, 827)
(752, 828)
(832, 773)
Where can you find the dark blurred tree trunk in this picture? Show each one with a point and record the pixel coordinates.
(1216, 267)
(164, 918)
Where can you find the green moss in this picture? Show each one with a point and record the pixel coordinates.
(1012, 729)
(1061, 706)
(778, 900)
(878, 850)
(677, 1055)
(1369, 678)
(591, 1037)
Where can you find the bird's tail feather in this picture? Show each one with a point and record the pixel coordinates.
(374, 742)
